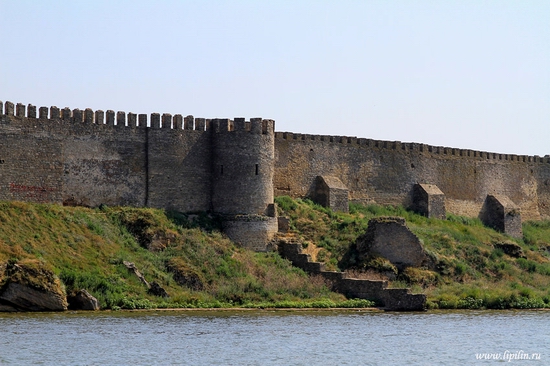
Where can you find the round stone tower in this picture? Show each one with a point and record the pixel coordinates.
(242, 166)
(242, 186)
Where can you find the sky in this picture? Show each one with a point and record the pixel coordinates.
(463, 74)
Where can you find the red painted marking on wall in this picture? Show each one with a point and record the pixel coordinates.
(37, 193)
(23, 188)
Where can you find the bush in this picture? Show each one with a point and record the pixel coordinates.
(380, 264)
(420, 276)
(527, 265)
(185, 274)
(470, 303)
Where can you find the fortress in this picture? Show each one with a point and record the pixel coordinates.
(236, 167)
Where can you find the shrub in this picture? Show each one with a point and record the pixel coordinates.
(185, 274)
(380, 264)
(527, 264)
(470, 303)
(420, 276)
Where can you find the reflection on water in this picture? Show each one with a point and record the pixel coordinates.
(271, 337)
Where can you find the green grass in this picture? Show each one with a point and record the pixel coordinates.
(86, 249)
(468, 272)
(199, 267)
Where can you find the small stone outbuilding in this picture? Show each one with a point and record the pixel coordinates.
(332, 193)
(501, 214)
(429, 200)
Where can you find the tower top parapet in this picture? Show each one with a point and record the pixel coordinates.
(255, 125)
(133, 120)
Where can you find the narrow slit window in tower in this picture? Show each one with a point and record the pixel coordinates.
(221, 169)
(256, 169)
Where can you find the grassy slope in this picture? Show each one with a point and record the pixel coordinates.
(86, 249)
(469, 273)
(199, 267)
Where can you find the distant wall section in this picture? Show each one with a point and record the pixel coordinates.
(385, 172)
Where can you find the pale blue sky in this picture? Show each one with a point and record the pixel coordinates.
(464, 74)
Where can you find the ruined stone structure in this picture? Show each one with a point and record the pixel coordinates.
(235, 167)
(390, 238)
(377, 290)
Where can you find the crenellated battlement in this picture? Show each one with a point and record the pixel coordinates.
(412, 147)
(255, 125)
(109, 117)
(133, 120)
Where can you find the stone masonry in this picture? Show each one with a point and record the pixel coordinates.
(172, 162)
(501, 214)
(378, 291)
(390, 238)
(332, 193)
(236, 167)
(428, 200)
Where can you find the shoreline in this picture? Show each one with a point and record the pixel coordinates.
(372, 310)
(262, 310)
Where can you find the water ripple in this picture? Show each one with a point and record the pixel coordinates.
(269, 338)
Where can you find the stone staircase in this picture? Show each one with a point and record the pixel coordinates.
(390, 299)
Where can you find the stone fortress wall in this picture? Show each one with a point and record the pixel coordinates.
(91, 158)
(385, 172)
(235, 167)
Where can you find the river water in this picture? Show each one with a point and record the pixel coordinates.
(275, 338)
